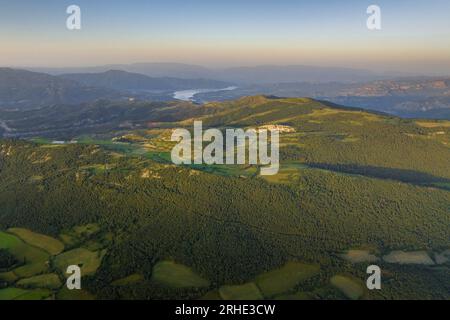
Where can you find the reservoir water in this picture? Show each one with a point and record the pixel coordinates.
(188, 95)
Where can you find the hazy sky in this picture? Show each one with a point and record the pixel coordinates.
(415, 35)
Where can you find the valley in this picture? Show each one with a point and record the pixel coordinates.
(353, 187)
(189, 95)
(172, 153)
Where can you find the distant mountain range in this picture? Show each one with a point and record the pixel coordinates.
(416, 97)
(21, 88)
(424, 97)
(27, 89)
(158, 70)
(420, 97)
(122, 80)
(242, 75)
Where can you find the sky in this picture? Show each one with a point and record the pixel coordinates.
(415, 34)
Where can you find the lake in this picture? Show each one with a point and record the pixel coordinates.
(188, 95)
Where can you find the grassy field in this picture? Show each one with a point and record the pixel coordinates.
(11, 293)
(351, 288)
(282, 280)
(35, 260)
(434, 124)
(22, 294)
(227, 170)
(8, 276)
(36, 294)
(8, 241)
(49, 244)
(285, 175)
(175, 275)
(88, 260)
(247, 291)
(359, 256)
(30, 281)
(412, 257)
(47, 281)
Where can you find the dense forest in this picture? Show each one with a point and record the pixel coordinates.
(349, 179)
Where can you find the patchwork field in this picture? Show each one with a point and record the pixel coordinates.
(359, 256)
(21, 294)
(36, 294)
(38, 254)
(89, 261)
(174, 275)
(11, 293)
(49, 244)
(413, 257)
(34, 260)
(285, 278)
(248, 291)
(49, 281)
(351, 288)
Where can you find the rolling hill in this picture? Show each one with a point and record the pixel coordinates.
(243, 75)
(122, 80)
(425, 97)
(26, 89)
(354, 188)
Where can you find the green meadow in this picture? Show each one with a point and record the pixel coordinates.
(171, 274)
(49, 244)
(286, 278)
(38, 255)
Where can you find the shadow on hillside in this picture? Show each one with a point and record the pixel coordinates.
(402, 175)
(339, 106)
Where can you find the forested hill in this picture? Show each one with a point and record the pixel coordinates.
(348, 180)
(121, 80)
(26, 89)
